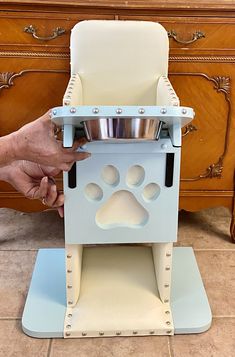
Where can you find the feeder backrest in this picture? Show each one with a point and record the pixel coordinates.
(119, 62)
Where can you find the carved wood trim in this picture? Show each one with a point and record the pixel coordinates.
(66, 55)
(59, 55)
(221, 85)
(6, 78)
(208, 193)
(218, 59)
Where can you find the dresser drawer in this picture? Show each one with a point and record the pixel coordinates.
(44, 31)
(195, 33)
(211, 36)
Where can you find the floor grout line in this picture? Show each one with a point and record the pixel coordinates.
(223, 316)
(195, 249)
(170, 349)
(214, 249)
(10, 318)
(20, 250)
(49, 347)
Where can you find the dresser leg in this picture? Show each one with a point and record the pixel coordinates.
(232, 226)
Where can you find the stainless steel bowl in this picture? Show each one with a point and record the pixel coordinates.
(122, 128)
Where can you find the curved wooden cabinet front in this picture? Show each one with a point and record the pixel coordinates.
(28, 90)
(206, 163)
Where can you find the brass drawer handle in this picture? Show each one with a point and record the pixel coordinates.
(188, 129)
(195, 36)
(58, 31)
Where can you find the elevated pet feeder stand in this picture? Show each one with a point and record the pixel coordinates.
(119, 273)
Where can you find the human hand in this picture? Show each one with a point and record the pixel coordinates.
(36, 182)
(36, 142)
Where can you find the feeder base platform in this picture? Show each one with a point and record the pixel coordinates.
(118, 295)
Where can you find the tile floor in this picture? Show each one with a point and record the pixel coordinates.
(206, 231)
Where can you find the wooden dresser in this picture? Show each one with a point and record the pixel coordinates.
(34, 70)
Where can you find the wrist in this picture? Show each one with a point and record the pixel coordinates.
(15, 145)
(7, 149)
(6, 173)
(10, 142)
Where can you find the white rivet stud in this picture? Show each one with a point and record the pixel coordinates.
(151, 332)
(119, 111)
(118, 333)
(73, 110)
(68, 326)
(168, 254)
(70, 315)
(141, 110)
(69, 256)
(69, 271)
(166, 285)
(184, 111)
(54, 112)
(67, 102)
(101, 333)
(135, 332)
(167, 312)
(67, 334)
(164, 146)
(167, 268)
(166, 300)
(163, 111)
(69, 286)
(84, 333)
(168, 322)
(95, 110)
(169, 331)
(70, 302)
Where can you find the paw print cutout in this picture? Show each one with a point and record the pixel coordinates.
(122, 208)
